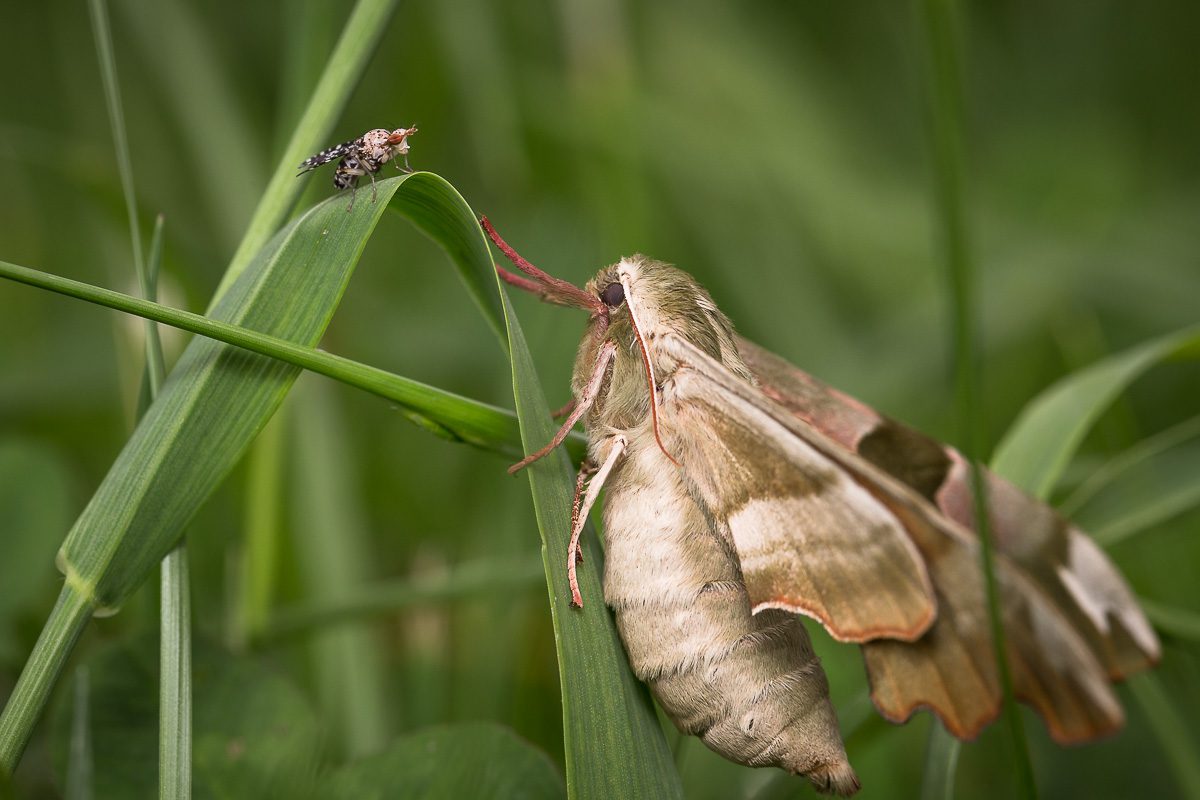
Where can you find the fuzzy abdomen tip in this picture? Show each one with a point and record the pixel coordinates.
(837, 778)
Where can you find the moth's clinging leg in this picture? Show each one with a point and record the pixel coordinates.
(586, 470)
(616, 447)
(603, 359)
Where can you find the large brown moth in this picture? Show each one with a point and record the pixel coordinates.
(742, 493)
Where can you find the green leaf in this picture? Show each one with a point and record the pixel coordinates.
(387, 597)
(477, 760)
(614, 744)
(254, 735)
(1046, 434)
(1181, 622)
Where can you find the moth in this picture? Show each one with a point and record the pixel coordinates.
(365, 155)
(743, 494)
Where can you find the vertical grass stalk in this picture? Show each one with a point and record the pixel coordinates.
(175, 679)
(79, 758)
(175, 620)
(946, 120)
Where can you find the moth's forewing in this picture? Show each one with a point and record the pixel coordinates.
(1063, 561)
(951, 668)
(810, 539)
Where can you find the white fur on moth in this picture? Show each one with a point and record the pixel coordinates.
(741, 492)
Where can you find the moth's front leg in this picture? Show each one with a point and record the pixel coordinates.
(613, 448)
(607, 351)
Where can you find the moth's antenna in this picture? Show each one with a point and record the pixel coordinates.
(554, 289)
(637, 333)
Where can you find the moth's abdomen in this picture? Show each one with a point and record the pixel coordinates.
(749, 685)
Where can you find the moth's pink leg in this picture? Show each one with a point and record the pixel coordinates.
(603, 359)
(586, 470)
(616, 447)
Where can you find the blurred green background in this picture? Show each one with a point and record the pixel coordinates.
(778, 151)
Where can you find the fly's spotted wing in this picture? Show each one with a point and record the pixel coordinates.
(327, 155)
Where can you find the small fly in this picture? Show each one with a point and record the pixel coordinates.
(365, 155)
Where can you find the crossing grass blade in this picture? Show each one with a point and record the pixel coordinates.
(438, 411)
(1045, 436)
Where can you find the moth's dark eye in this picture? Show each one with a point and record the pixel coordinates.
(613, 295)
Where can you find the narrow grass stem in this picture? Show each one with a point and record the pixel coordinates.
(944, 77)
(450, 415)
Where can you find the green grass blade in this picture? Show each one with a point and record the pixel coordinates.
(332, 547)
(1175, 496)
(70, 615)
(1040, 443)
(175, 679)
(444, 413)
(1181, 622)
(79, 763)
(614, 745)
(1113, 469)
(941, 764)
(116, 117)
(467, 580)
(175, 614)
(1170, 729)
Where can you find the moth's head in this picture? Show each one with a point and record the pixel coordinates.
(658, 298)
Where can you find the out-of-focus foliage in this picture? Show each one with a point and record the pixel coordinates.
(777, 151)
